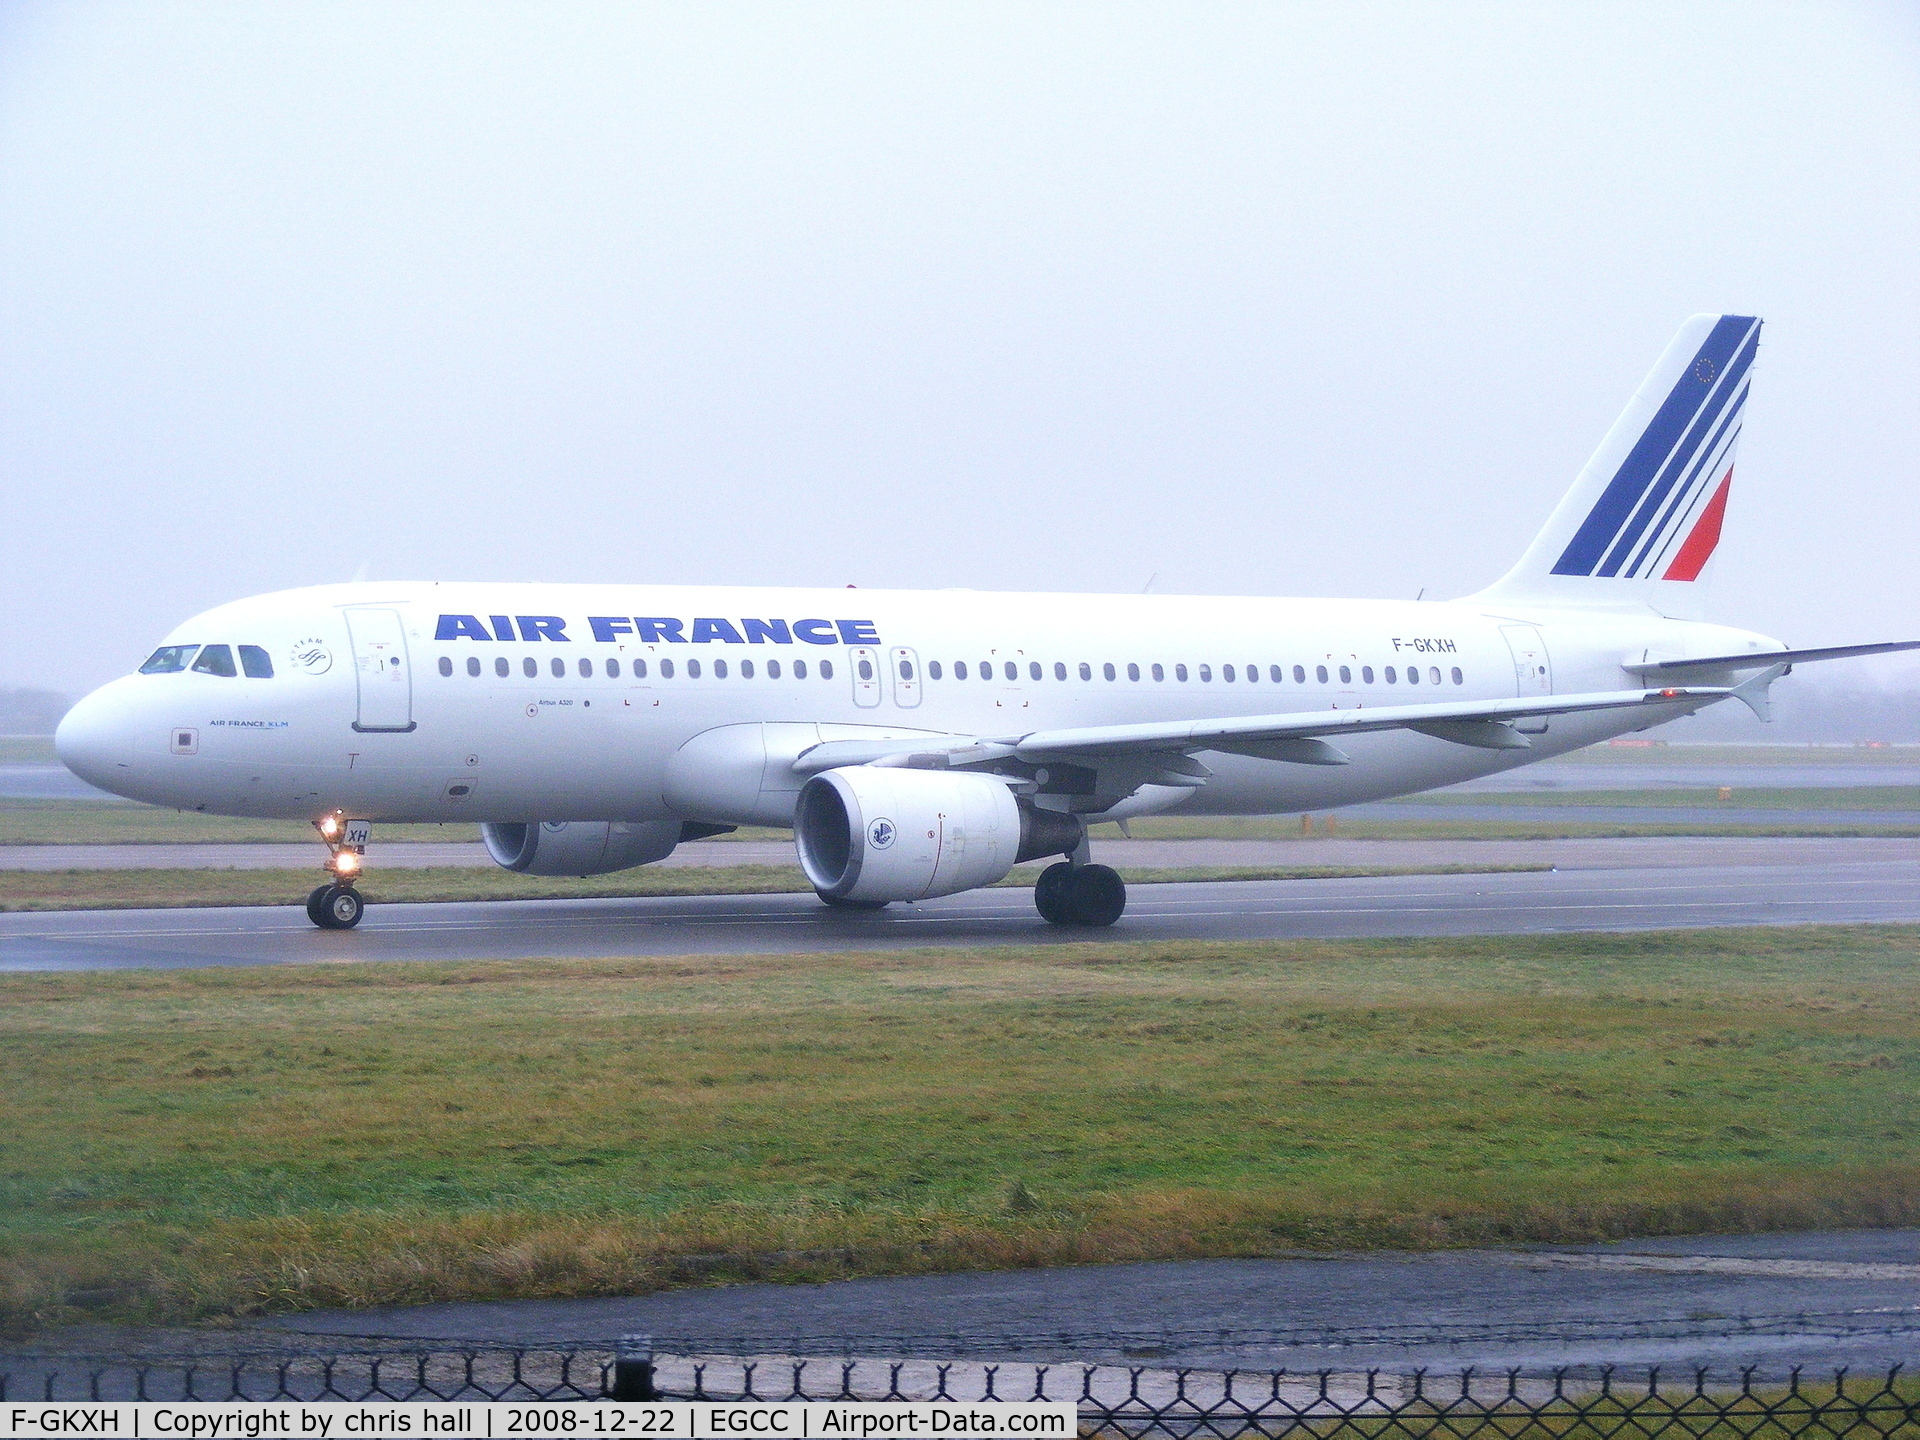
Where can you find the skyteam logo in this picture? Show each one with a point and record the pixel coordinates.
(880, 834)
(1660, 514)
(311, 656)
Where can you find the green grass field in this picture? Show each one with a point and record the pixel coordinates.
(1845, 797)
(208, 1142)
(168, 889)
(1665, 753)
(1287, 827)
(121, 822)
(62, 822)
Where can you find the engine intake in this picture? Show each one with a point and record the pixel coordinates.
(579, 847)
(870, 834)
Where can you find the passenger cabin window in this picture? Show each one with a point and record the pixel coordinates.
(473, 664)
(799, 669)
(1366, 673)
(255, 663)
(446, 665)
(168, 660)
(1300, 675)
(666, 669)
(933, 669)
(773, 669)
(1413, 674)
(959, 669)
(1133, 671)
(500, 666)
(613, 669)
(1086, 671)
(1158, 672)
(639, 669)
(1253, 674)
(1108, 670)
(1433, 674)
(216, 660)
(1276, 674)
(1010, 670)
(1320, 673)
(746, 669)
(530, 667)
(1392, 677)
(693, 669)
(1059, 669)
(1458, 678)
(1180, 673)
(719, 669)
(586, 669)
(1206, 674)
(1033, 670)
(865, 668)
(1226, 673)
(826, 669)
(1346, 675)
(559, 668)
(986, 669)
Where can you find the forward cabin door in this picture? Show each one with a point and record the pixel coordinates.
(381, 671)
(1532, 668)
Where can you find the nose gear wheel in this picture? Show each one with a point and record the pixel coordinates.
(335, 907)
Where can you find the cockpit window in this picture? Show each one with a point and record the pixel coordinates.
(216, 660)
(168, 660)
(255, 663)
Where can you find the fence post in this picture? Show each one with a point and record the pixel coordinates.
(633, 1370)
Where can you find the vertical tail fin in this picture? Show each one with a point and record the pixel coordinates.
(1639, 527)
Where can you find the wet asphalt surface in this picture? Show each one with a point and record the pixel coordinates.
(1828, 1299)
(1835, 892)
(1819, 1301)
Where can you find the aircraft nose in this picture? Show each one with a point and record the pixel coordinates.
(95, 739)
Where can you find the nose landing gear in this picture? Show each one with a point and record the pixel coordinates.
(337, 905)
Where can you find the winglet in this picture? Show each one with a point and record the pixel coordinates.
(1752, 692)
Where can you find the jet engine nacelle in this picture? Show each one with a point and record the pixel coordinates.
(870, 834)
(579, 847)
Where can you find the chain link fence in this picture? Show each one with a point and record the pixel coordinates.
(1117, 1400)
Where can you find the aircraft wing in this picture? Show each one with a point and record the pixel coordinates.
(1300, 737)
(1486, 724)
(1654, 669)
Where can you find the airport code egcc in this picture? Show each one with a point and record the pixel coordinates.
(330, 1420)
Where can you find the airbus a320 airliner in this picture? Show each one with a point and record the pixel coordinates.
(924, 743)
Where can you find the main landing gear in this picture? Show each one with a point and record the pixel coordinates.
(336, 905)
(1084, 895)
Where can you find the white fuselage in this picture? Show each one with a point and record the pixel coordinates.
(374, 708)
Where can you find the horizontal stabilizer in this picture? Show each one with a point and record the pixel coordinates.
(1761, 660)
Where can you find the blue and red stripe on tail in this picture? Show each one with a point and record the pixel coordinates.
(1641, 523)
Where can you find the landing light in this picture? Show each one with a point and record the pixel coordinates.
(345, 863)
(330, 826)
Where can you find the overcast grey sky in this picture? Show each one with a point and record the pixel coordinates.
(1270, 299)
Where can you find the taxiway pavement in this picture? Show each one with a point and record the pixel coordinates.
(1827, 892)
(1772, 1301)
